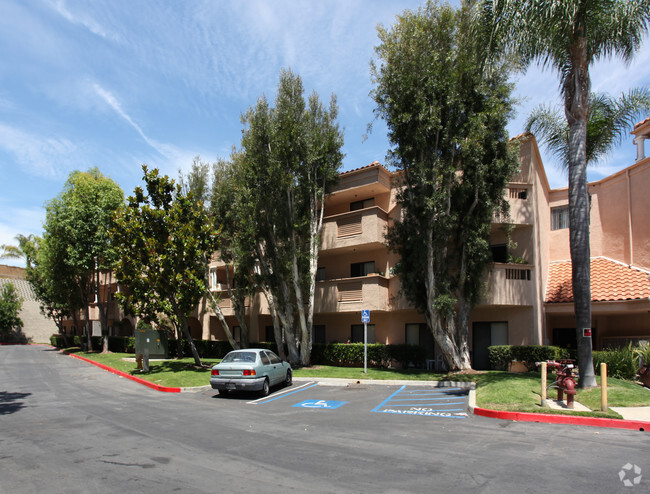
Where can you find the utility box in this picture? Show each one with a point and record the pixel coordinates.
(154, 340)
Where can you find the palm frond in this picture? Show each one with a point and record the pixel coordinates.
(550, 128)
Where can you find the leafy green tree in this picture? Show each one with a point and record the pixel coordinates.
(446, 110)
(10, 305)
(569, 36)
(161, 238)
(608, 121)
(290, 157)
(77, 243)
(51, 281)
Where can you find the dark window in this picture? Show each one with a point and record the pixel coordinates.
(274, 358)
(357, 333)
(319, 334)
(499, 252)
(560, 218)
(265, 358)
(320, 274)
(366, 203)
(270, 334)
(362, 269)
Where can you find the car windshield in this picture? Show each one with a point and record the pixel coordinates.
(239, 357)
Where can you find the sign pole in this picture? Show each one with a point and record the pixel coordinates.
(365, 319)
(365, 347)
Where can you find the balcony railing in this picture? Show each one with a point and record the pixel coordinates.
(352, 294)
(355, 228)
(521, 206)
(510, 284)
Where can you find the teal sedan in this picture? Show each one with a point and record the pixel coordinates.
(251, 369)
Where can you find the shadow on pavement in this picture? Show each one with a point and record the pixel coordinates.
(9, 402)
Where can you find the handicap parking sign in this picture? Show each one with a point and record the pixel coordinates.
(320, 404)
(365, 315)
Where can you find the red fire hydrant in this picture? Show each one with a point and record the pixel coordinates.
(564, 382)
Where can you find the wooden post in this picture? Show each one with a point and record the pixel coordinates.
(603, 386)
(544, 384)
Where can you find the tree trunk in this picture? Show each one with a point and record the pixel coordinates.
(277, 327)
(576, 104)
(224, 324)
(186, 331)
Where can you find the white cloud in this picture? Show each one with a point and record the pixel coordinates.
(82, 19)
(45, 156)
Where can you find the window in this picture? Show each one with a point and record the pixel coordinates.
(412, 334)
(499, 252)
(357, 333)
(265, 358)
(517, 193)
(559, 217)
(366, 203)
(213, 279)
(270, 334)
(274, 358)
(518, 274)
(320, 274)
(319, 334)
(362, 269)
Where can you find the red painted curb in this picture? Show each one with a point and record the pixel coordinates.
(564, 419)
(149, 384)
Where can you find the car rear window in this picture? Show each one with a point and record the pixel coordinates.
(239, 357)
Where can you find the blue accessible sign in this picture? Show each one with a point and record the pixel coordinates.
(321, 404)
(365, 316)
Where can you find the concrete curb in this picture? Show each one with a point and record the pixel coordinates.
(335, 381)
(545, 418)
(149, 384)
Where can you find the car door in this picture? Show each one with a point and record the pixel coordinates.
(276, 368)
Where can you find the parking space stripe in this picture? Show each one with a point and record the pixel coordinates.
(388, 399)
(427, 402)
(277, 396)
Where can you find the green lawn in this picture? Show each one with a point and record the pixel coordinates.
(495, 390)
(522, 393)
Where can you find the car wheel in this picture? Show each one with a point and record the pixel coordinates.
(223, 392)
(289, 379)
(265, 387)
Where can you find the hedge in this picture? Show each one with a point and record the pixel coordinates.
(502, 355)
(622, 363)
(341, 354)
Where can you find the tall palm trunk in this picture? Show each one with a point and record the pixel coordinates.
(576, 106)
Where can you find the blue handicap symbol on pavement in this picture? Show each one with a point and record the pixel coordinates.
(321, 404)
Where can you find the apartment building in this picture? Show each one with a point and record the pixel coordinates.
(527, 298)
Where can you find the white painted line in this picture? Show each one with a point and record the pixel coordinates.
(279, 395)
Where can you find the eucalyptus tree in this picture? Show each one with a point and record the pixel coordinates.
(76, 239)
(569, 36)
(161, 237)
(290, 157)
(446, 109)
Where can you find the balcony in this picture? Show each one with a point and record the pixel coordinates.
(510, 285)
(352, 294)
(520, 199)
(354, 229)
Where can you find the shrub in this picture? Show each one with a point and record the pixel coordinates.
(622, 363)
(501, 355)
(351, 354)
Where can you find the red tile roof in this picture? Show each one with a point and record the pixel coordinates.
(642, 122)
(610, 281)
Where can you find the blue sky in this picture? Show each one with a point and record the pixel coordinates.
(119, 83)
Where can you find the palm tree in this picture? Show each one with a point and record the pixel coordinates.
(569, 36)
(608, 121)
(26, 248)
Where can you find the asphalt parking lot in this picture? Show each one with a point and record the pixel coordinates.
(421, 401)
